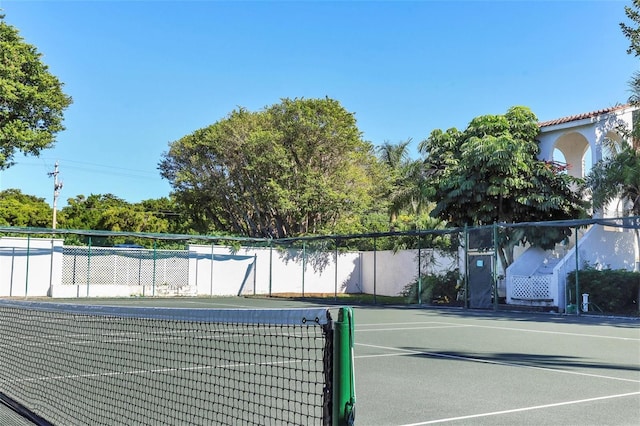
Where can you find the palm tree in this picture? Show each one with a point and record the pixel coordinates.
(407, 177)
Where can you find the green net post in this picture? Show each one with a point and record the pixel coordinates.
(344, 393)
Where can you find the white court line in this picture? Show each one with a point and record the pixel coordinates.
(435, 327)
(151, 371)
(518, 410)
(213, 305)
(484, 361)
(559, 333)
(404, 323)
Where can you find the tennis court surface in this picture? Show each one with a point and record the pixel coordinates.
(412, 367)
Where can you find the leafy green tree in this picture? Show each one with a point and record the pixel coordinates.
(489, 173)
(632, 32)
(168, 210)
(110, 213)
(296, 167)
(31, 98)
(86, 212)
(22, 210)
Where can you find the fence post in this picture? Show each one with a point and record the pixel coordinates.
(577, 273)
(375, 271)
(211, 270)
(155, 258)
(26, 282)
(495, 266)
(88, 266)
(419, 269)
(304, 263)
(140, 283)
(466, 267)
(270, 265)
(255, 271)
(13, 262)
(335, 290)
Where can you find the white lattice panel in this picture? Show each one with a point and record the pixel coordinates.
(165, 272)
(536, 287)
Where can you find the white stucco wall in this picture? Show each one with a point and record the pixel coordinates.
(394, 270)
(29, 266)
(605, 247)
(248, 270)
(573, 138)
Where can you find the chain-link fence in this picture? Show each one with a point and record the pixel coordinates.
(569, 266)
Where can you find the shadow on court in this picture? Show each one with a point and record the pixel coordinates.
(520, 359)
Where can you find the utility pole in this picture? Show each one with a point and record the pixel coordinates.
(57, 186)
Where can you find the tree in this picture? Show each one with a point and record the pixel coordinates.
(168, 210)
(632, 33)
(489, 173)
(110, 213)
(404, 193)
(31, 98)
(296, 167)
(617, 180)
(22, 210)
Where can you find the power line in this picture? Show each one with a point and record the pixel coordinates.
(84, 163)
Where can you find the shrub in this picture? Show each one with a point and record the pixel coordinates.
(610, 290)
(439, 288)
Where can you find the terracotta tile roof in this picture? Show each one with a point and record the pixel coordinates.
(581, 116)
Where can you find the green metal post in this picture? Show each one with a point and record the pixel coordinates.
(270, 266)
(577, 275)
(335, 290)
(211, 270)
(140, 283)
(155, 258)
(255, 272)
(344, 390)
(419, 270)
(495, 266)
(26, 283)
(375, 271)
(88, 265)
(304, 263)
(466, 267)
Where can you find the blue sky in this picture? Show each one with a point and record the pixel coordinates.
(145, 73)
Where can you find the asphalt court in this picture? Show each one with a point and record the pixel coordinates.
(425, 366)
(419, 366)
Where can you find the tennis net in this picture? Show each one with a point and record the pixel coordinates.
(104, 365)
